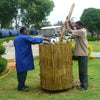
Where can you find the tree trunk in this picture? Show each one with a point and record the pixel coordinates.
(16, 24)
(3, 25)
(0, 25)
(91, 34)
(97, 36)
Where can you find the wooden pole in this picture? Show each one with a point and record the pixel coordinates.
(68, 18)
(9, 71)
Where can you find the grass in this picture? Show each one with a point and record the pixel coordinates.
(9, 38)
(96, 45)
(8, 85)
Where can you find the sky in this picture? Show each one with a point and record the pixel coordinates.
(62, 8)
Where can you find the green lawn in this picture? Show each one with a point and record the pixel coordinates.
(96, 45)
(8, 85)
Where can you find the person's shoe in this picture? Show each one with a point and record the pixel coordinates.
(82, 89)
(24, 89)
(26, 86)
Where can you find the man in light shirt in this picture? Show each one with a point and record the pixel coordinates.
(81, 50)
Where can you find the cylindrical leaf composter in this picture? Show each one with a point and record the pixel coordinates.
(55, 66)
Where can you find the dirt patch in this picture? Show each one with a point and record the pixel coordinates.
(11, 65)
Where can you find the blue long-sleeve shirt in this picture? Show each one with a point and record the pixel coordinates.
(23, 52)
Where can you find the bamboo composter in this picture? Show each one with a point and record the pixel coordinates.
(56, 66)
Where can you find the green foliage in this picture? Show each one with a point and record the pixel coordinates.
(7, 12)
(89, 38)
(2, 49)
(90, 49)
(3, 64)
(3, 61)
(7, 39)
(33, 12)
(91, 19)
(95, 45)
(60, 23)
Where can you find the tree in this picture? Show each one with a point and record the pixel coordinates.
(44, 23)
(91, 19)
(7, 12)
(59, 23)
(16, 16)
(34, 12)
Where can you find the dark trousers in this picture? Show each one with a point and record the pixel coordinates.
(21, 77)
(83, 70)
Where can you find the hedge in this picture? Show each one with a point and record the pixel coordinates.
(3, 61)
(2, 49)
(90, 48)
(89, 38)
(3, 64)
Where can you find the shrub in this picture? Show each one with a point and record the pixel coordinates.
(90, 49)
(6, 39)
(3, 61)
(3, 64)
(89, 38)
(2, 49)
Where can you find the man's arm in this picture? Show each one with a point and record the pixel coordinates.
(35, 40)
(67, 27)
(46, 39)
(71, 26)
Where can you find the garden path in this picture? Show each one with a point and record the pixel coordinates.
(95, 55)
(10, 51)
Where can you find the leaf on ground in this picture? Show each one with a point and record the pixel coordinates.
(91, 78)
(41, 92)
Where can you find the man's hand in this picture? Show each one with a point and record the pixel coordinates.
(70, 24)
(67, 26)
(46, 39)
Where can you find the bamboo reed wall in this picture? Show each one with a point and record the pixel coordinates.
(55, 66)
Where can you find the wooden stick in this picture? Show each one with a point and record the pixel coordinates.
(68, 18)
(9, 71)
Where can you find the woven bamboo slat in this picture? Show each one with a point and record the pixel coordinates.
(55, 66)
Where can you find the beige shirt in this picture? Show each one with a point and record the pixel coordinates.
(81, 48)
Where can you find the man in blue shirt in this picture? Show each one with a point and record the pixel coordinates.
(24, 56)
